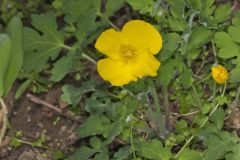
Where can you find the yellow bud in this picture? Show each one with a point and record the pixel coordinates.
(219, 74)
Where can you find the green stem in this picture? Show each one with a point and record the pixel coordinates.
(132, 143)
(158, 107)
(89, 58)
(214, 52)
(202, 125)
(4, 126)
(32, 144)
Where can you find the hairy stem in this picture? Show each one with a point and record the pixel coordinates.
(4, 126)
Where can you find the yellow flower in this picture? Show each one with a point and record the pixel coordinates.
(219, 74)
(130, 52)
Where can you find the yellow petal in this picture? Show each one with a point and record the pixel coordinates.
(219, 74)
(115, 72)
(109, 43)
(146, 65)
(143, 35)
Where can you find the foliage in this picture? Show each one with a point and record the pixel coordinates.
(181, 114)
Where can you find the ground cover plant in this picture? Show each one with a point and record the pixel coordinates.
(119, 79)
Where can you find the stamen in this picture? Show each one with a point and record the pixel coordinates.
(128, 53)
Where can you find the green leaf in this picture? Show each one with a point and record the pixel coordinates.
(170, 44)
(116, 129)
(235, 75)
(234, 32)
(143, 6)
(218, 118)
(112, 6)
(22, 88)
(153, 149)
(199, 37)
(223, 12)
(234, 153)
(5, 52)
(72, 94)
(218, 145)
(83, 153)
(186, 79)
(122, 153)
(62, 67)
(177, 8)
(188, 154)
(166, 72)
(92, 126)
(176, 25)
(40, 47)
(228, 48)
(15, 32)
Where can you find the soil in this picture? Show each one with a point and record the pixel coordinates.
(30, 120)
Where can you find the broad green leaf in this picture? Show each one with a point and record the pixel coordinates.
(218, 118)
(154, 150)
(208, 7)
(143, 6)
(15, 32)
(227, 48)
(218, 145)
(235, 75)
(234, 32)
(188, 154)
(112, 6)
(40, 47)
(61, 67)
(236, 19)
(83, 153)
(234, 153)
(186, 79)
(176, 25)
(195, 5)
(122, 153)
(166, 72)
(170, 44)
(75, 8)
(5, 52)
(177, 8)
(223, 12)
(116, 129)
(72, 94)
(199, 37)
(92, 126)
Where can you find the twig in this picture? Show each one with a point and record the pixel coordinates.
(58, 110)
(4, 126)
(39, 101)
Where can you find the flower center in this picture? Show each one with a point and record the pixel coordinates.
(128, 53)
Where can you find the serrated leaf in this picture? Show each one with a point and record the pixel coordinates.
(122, 153)
(223, 12)
(92, 126)
(116, 129)
(40, 47)
(188, 154)
(5, 52)
(235, 75)
(72, 94)
(228, 48)
(112, 6)
(61, 68)
(218, 118)
(234, 153)
(143, 6)
(83, 153)
(199, 37)
(218, 145)
(153, 149)
(234, 32)
(170, 44)
(186, 79)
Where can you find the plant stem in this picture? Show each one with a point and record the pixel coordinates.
(4, 126)
(158, 107)
(202, 125)
(132, 143)
(89, 58)
(214, 52)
